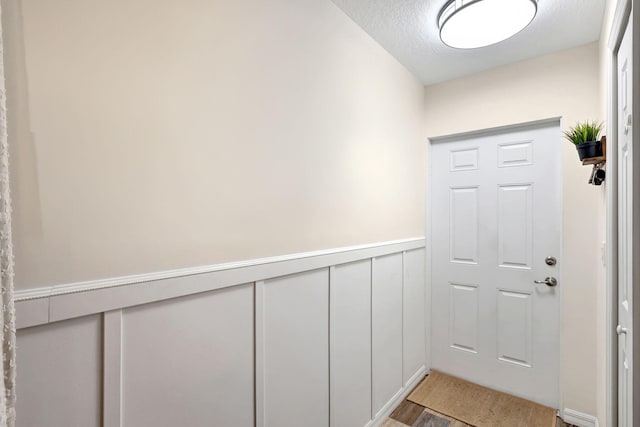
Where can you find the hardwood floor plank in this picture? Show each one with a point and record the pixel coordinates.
(427, 419)
(453, 421)
(560, 423)
(390, 422)
(407, 413)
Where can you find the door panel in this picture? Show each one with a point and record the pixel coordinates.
(464, 225)
(463, 318)
(515, 226)
(514, 335)
(496, 216)
(463, 160)
(515, 154)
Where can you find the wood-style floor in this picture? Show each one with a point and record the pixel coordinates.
(413, 415)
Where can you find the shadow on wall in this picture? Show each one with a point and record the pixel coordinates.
(27, 212)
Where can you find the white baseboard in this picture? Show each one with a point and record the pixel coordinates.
(392, 404)
(579, 419)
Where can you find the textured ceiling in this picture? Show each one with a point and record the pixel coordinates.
(408, 30)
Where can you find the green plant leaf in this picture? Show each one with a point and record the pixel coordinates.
(584, 132)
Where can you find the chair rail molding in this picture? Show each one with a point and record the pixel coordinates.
(65, 301)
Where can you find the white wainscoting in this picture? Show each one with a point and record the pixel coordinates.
(330, 339)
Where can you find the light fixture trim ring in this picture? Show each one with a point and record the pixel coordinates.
(464, 5)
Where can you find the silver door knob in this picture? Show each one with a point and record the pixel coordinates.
(549, 281)
(620, 330)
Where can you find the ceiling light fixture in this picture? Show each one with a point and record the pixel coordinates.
(469, 24)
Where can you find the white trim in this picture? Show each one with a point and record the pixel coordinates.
(372, 378)
(427, 264)
(32, 312)
(112, 369)
(332, 346)
(373, 366)
(636, 214)
(90, 285)
(620, 19)
(402, 311)
(494, 130)
(579, 419)
(259, 406)
(561, 346)
(32, 294)
(53, 303)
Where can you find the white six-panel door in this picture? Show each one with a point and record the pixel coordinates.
(496, 216)
(625, 232)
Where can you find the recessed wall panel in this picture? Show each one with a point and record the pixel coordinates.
(189, 361)
(59, 374)
(463, 160)
(464, 225)
(350, 348)
(515, 154)
(514, 335)
(295, 350)
(413, 326)
(386, 333)
(515, 226)
(463, 317)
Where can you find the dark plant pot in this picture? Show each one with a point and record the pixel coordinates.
(589, 149)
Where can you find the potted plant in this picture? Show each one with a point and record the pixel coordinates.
(585, 137)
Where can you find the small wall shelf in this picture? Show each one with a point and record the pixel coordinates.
(597, 160)
(594, 160)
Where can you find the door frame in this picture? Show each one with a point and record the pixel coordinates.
(429, 240)
(624, 14)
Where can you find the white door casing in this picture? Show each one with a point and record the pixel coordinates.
(496, 200)
(625, 230)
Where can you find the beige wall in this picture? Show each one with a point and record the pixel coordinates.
(150, 135)
(561, 84)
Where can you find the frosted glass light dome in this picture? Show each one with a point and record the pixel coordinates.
(469, 24)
